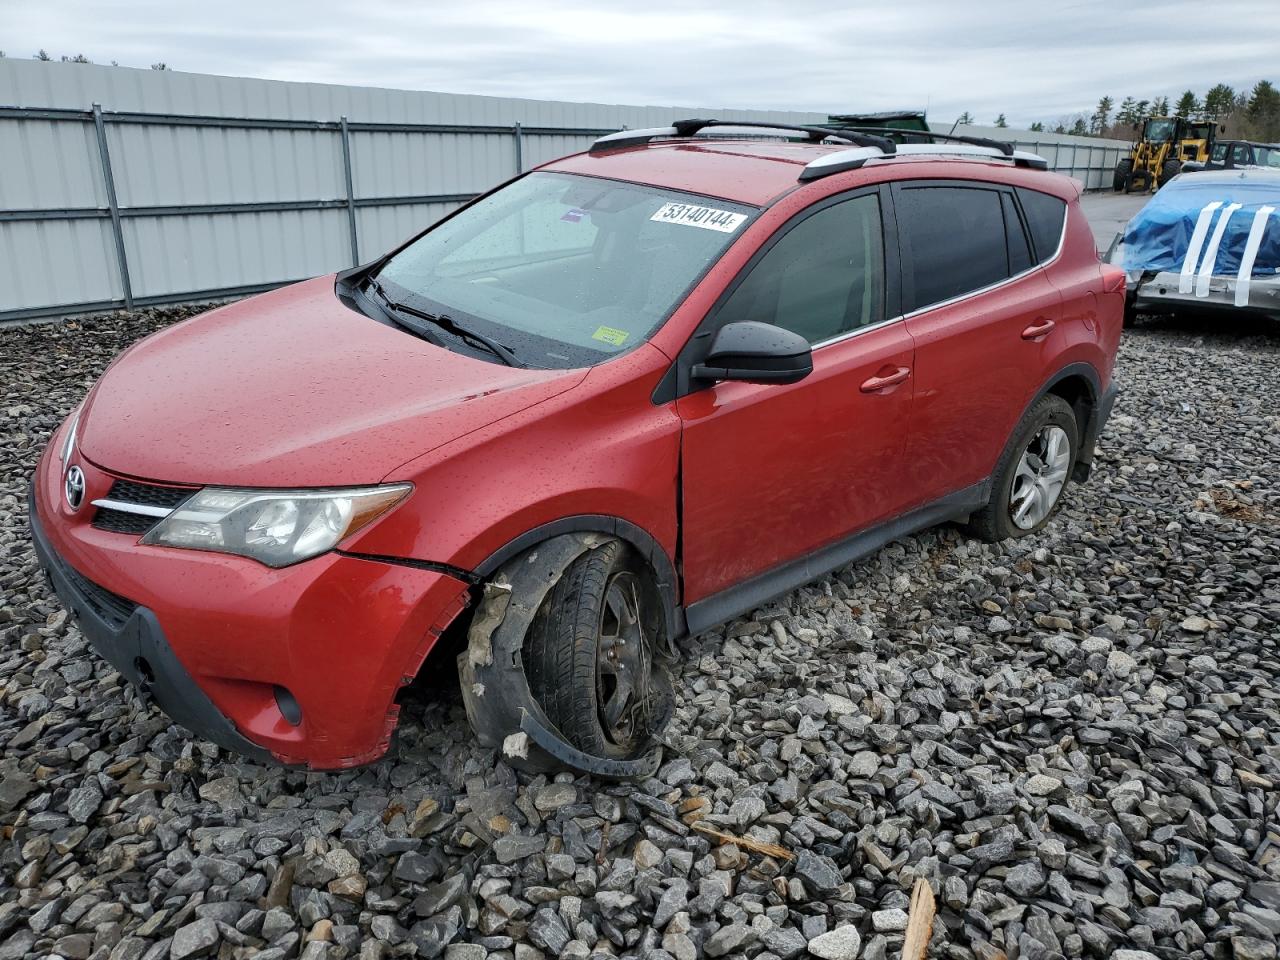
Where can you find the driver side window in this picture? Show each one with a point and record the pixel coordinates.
(823, 278)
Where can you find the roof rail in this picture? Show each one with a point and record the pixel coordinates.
(689, 128)
(843, 160)
(1003, 146)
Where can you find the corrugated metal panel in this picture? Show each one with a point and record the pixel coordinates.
(56, 165)
(51, 262)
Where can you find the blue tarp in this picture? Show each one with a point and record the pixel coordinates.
(1159, 236)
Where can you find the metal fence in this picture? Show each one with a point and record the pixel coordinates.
(342, 133)
(184, 187)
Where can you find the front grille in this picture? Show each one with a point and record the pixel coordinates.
(112, 608)
(117, 521)
(143, 494)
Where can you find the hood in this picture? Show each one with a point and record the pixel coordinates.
(292, 388)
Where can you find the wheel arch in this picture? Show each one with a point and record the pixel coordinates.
(636, 536)
(1081, 387)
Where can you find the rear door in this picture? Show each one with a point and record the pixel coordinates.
(773, 472)
(981, 312)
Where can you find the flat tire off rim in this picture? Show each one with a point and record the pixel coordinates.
(1042, 472)
(624, 663)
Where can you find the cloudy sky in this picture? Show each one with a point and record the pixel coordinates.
(1027, 59)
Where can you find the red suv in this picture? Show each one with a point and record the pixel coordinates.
(614, 402)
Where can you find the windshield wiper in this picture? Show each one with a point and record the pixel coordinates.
(444, 322)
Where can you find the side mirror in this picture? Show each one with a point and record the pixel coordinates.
(756, 353)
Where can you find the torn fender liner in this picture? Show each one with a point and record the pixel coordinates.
(495, 690)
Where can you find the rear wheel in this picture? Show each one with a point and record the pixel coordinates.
(1032, 472)
(589, 654)
(1121, 175)
(1170, 170)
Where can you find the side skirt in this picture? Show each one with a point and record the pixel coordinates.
(742, 597)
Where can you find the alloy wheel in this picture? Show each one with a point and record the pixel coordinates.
(1041, 474)
(624, 664)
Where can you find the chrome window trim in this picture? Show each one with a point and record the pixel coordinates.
(1062, 241)
(141, 509)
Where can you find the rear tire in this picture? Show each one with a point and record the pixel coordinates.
(1170, 170)
(589, 654)
(1121, 176)
(1032, 473)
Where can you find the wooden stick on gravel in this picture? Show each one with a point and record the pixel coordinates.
(766, 849)
(919, 921)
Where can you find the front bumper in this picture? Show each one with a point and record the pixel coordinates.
(130, 638)
(216, 639)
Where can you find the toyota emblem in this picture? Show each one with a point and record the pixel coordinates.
(74, 488)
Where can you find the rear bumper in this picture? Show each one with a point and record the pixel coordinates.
(301, 664)
(1161, 294)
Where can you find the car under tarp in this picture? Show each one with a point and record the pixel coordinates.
(1210, 238)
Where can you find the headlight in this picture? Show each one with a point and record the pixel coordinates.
(69, 441)
(275, 527)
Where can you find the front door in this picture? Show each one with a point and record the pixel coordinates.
(772, 473)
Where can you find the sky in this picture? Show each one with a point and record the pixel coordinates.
(1029, 60)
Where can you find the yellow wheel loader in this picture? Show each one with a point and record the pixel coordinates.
(1158, 155)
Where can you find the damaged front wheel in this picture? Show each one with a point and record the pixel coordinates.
(589, 654)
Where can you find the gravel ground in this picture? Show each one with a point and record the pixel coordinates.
(1074, 738)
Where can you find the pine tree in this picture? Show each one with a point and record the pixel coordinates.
(1263, 111)
(1037, 127)
(1078, 128)
(1218, 101)
(1127, 114)
(1001, 121)
(1161, 106)
(1188, 105)
(1102, 115)
(966, 119)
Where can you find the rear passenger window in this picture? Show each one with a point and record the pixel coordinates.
(954, 239)
(823, 278)
(1045, 215)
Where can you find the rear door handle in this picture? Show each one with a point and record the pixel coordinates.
(882, 381)
(1039, 329)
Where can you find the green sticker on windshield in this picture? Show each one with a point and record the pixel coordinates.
(610, 335)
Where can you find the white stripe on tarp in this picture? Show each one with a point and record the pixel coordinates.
(1197, 241)
(1211, 251)
(1251, 254)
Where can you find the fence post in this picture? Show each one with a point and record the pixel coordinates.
(519, 136)
(104, 155)
(351, 193)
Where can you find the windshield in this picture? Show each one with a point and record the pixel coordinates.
(1160, 130)
(565, 270)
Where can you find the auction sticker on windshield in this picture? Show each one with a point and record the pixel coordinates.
(690, 215)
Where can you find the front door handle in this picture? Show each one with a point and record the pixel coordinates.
(882, 381)
(1039, 329)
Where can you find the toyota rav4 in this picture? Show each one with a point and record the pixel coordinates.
(614, 402)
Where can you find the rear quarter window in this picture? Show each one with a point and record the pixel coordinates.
(1045, 215)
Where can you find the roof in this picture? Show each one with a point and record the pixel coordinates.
(1250, 176)
(748, 171)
